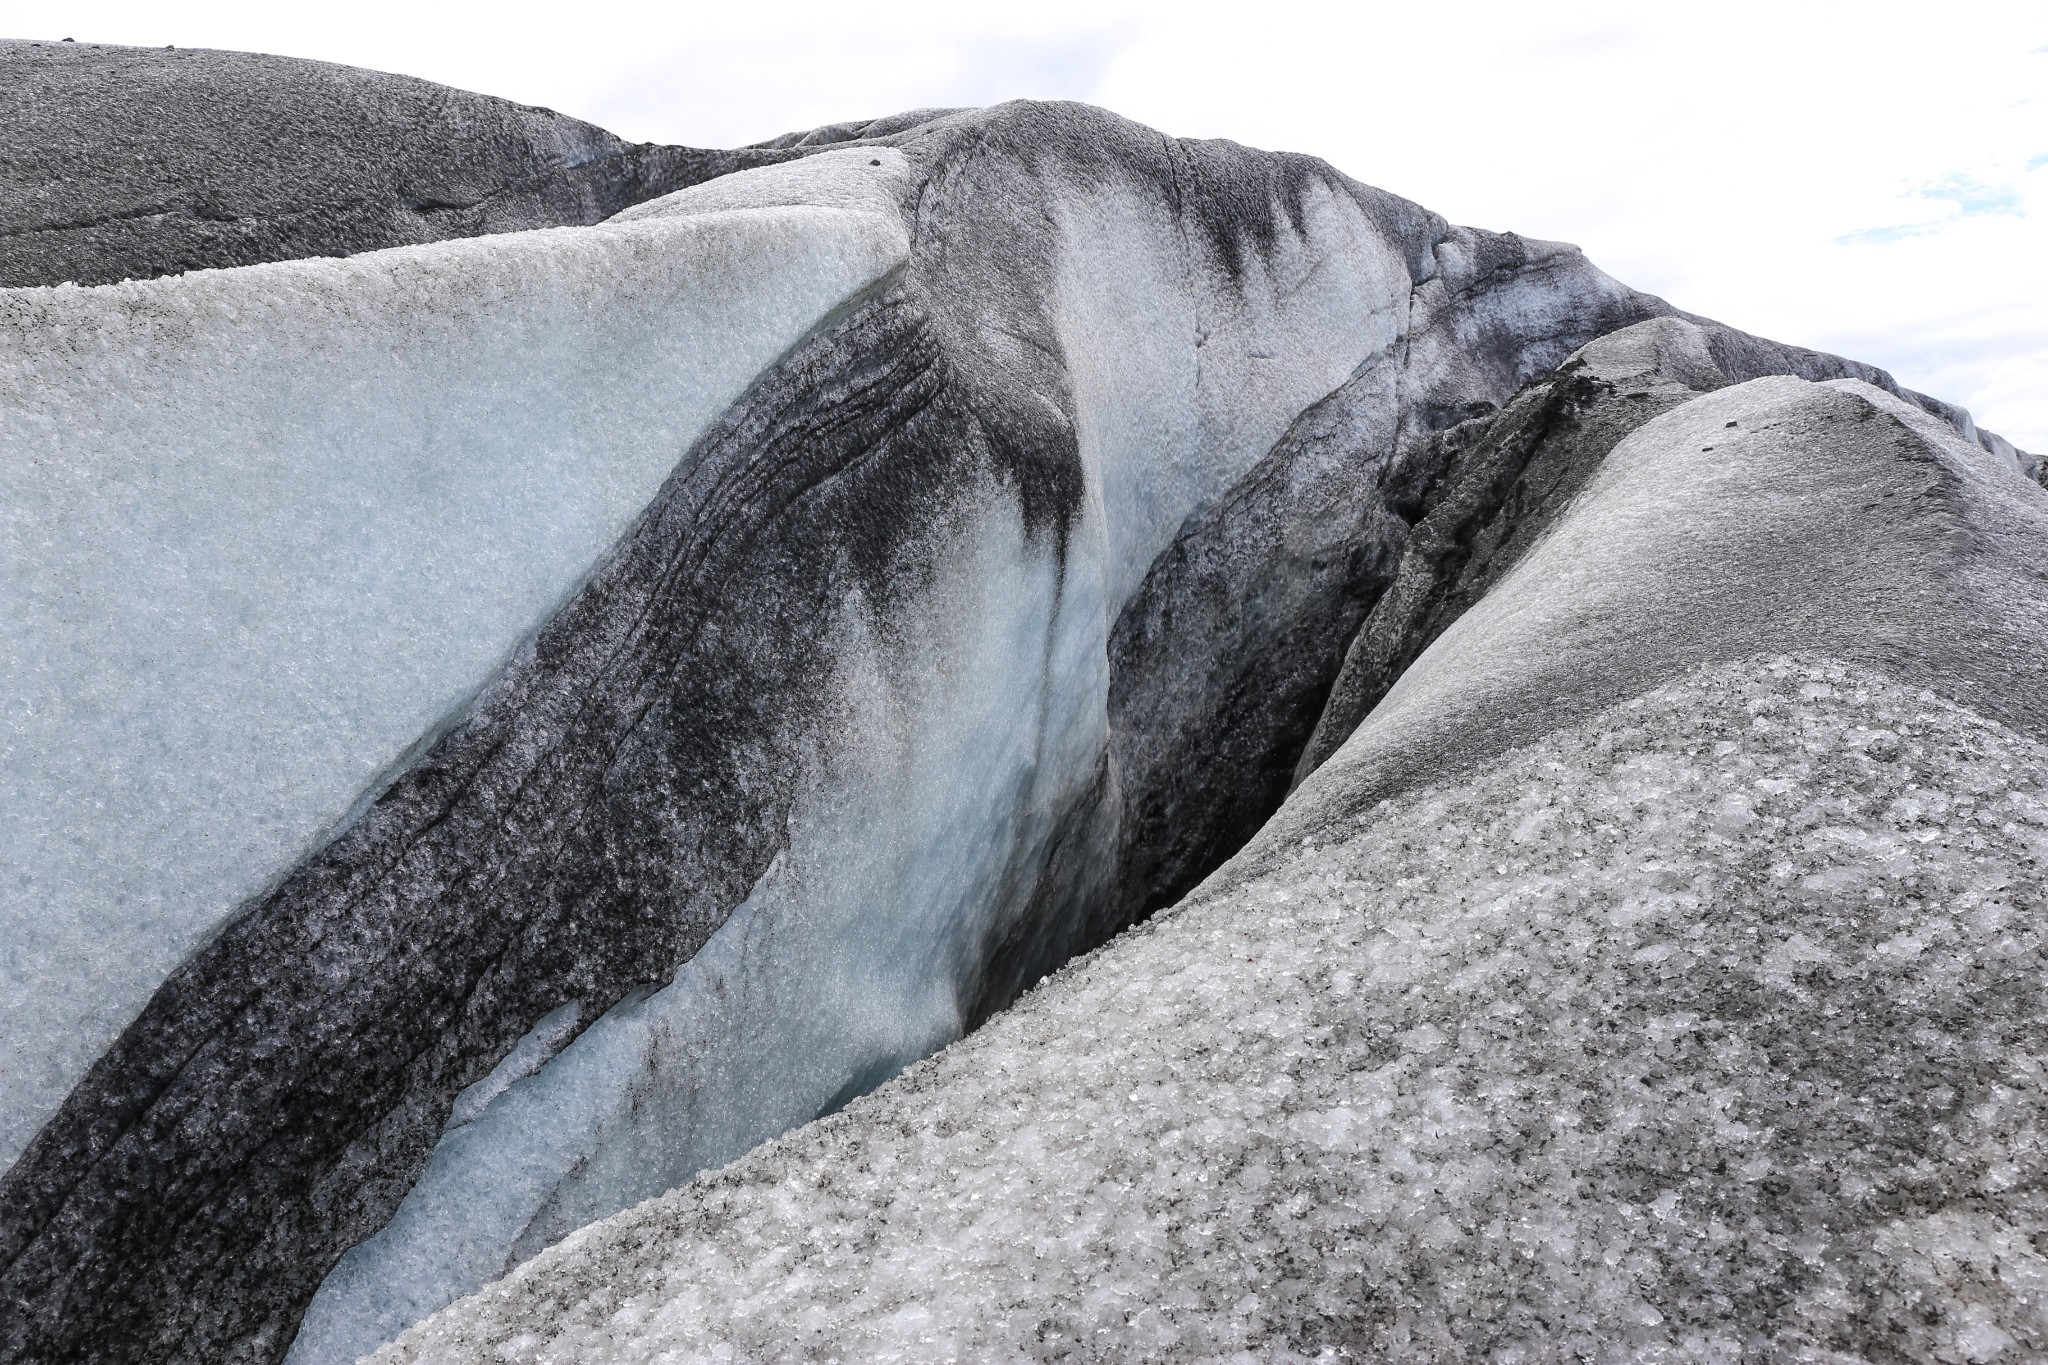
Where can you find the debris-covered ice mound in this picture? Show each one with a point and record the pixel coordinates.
(1709, 1029)
(129, 163)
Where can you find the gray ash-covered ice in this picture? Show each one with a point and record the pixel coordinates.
(1775, 515)
(1500, 480)
(131, 162)
(509, 724)
(1707, 1029)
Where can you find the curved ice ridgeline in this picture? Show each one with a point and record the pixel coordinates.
(511, 723)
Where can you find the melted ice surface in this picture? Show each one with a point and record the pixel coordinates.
(1708, 1025)
(1184, 379)
(261, 529)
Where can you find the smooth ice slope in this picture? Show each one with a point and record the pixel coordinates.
(264, 528)
(1708, 1029)
(1181, 384)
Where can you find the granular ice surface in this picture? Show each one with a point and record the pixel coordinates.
(1708, 1030)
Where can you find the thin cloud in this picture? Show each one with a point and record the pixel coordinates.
(1881, 236)
(1973, 197)
(1970, 198)
(722, 91)
(1060, 67)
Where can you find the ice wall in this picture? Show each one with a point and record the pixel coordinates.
(956, 759)
(264, 528)
(975, 719)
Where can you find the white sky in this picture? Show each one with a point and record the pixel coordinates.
(1870, 178)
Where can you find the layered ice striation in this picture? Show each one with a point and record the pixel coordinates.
(267, 528)
(842, 966)
(1706, 1029)
(535, 717)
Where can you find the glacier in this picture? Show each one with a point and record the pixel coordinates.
(274, 525)
(512, 723)
(1684, 1006)
(1706, 1029)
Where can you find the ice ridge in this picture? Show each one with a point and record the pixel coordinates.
(514, 723)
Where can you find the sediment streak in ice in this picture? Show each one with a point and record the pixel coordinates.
(266, 528)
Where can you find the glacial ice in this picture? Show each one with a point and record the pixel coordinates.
(760, 1030)
(846, 960)
(263, 528)
(1775, 515)
(975, 719)
(1707, 1029)
(458, 433)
